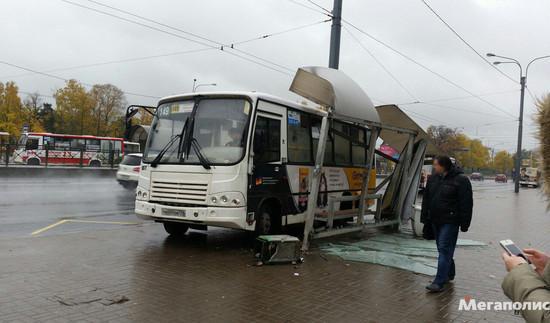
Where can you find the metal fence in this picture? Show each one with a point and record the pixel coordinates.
(13, 155)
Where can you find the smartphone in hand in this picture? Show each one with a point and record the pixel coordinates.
(510, 247)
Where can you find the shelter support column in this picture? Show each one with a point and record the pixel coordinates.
(374, 132)
(314, 184)
(406, 169)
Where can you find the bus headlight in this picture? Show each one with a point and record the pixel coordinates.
(141, 194)
(226, 199)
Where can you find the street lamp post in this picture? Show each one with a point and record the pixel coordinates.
(196, 86)
(522, 82)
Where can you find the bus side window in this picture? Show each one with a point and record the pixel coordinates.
(62, 143)
(77, 144)
(299, 137)
(106, 146)
(267, 140)
(32, 144)
(118, 146)
(358, 146)
(342, 154)
(92, 144)
(315, 133)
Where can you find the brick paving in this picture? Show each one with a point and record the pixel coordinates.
(137, 274)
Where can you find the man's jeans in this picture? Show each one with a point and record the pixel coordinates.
(445, 238)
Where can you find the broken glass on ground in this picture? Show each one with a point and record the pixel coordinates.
(394, 250)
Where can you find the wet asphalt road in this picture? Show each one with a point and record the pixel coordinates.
(29, 204)
(99, 272)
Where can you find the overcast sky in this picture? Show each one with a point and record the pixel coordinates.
(53, 35)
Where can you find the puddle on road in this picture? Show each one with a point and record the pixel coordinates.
(394, 250)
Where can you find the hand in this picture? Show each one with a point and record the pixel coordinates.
(537, 258)
(463, 228)
(512, 262)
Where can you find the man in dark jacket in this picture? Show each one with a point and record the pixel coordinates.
(446, 206)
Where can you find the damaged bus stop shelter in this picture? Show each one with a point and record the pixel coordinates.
(344, 99)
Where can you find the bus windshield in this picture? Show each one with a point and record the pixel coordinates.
(218, 130)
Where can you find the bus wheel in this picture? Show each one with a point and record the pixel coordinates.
(33, 162)
(175, 229)
(95, 163)
(263, 222)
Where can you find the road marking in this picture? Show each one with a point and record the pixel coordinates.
(46, 228)
(103, 222)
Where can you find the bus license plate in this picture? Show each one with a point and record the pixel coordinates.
(173, 212)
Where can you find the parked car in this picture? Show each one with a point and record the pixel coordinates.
(128, 170)
(477, 177)
(501, 178)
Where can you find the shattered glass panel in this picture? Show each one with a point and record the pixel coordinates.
(395, 250)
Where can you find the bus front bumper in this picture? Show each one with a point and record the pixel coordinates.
(226, 217)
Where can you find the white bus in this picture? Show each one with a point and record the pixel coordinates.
(244, 161)
(252, 161)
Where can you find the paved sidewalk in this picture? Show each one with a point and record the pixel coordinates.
(137, 274)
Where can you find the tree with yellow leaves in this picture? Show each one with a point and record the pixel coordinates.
(13, 113)
(74, 111)
(503, 162)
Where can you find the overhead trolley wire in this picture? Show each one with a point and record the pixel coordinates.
(420, 64)
(380, 64)
(322, 11)
(320, 7)
(279, 32)
(66, 80)
(203, 40)
(466, 42)
(139, 58)
(459, 97)
(132, 59)
(426, 68)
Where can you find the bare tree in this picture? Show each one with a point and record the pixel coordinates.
(109, 103)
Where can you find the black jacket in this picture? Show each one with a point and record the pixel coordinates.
(448, 199)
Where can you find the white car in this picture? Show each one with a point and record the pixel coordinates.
(128, 170)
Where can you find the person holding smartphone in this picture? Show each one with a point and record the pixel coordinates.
(446, 207)
(525, 284)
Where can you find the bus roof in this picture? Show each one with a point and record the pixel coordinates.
(71, 136)
(306, 106)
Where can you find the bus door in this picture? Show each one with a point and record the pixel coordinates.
(269, 180)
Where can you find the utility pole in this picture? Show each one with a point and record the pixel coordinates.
(522, 81)
(335, 32)
(520, 134)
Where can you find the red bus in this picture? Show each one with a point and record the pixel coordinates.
(36, 148)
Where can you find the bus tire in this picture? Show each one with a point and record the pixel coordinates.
(175, 229)
(33, 161)
(95, 163)
(266, 219)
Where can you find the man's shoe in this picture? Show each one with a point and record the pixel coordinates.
(434, 288)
